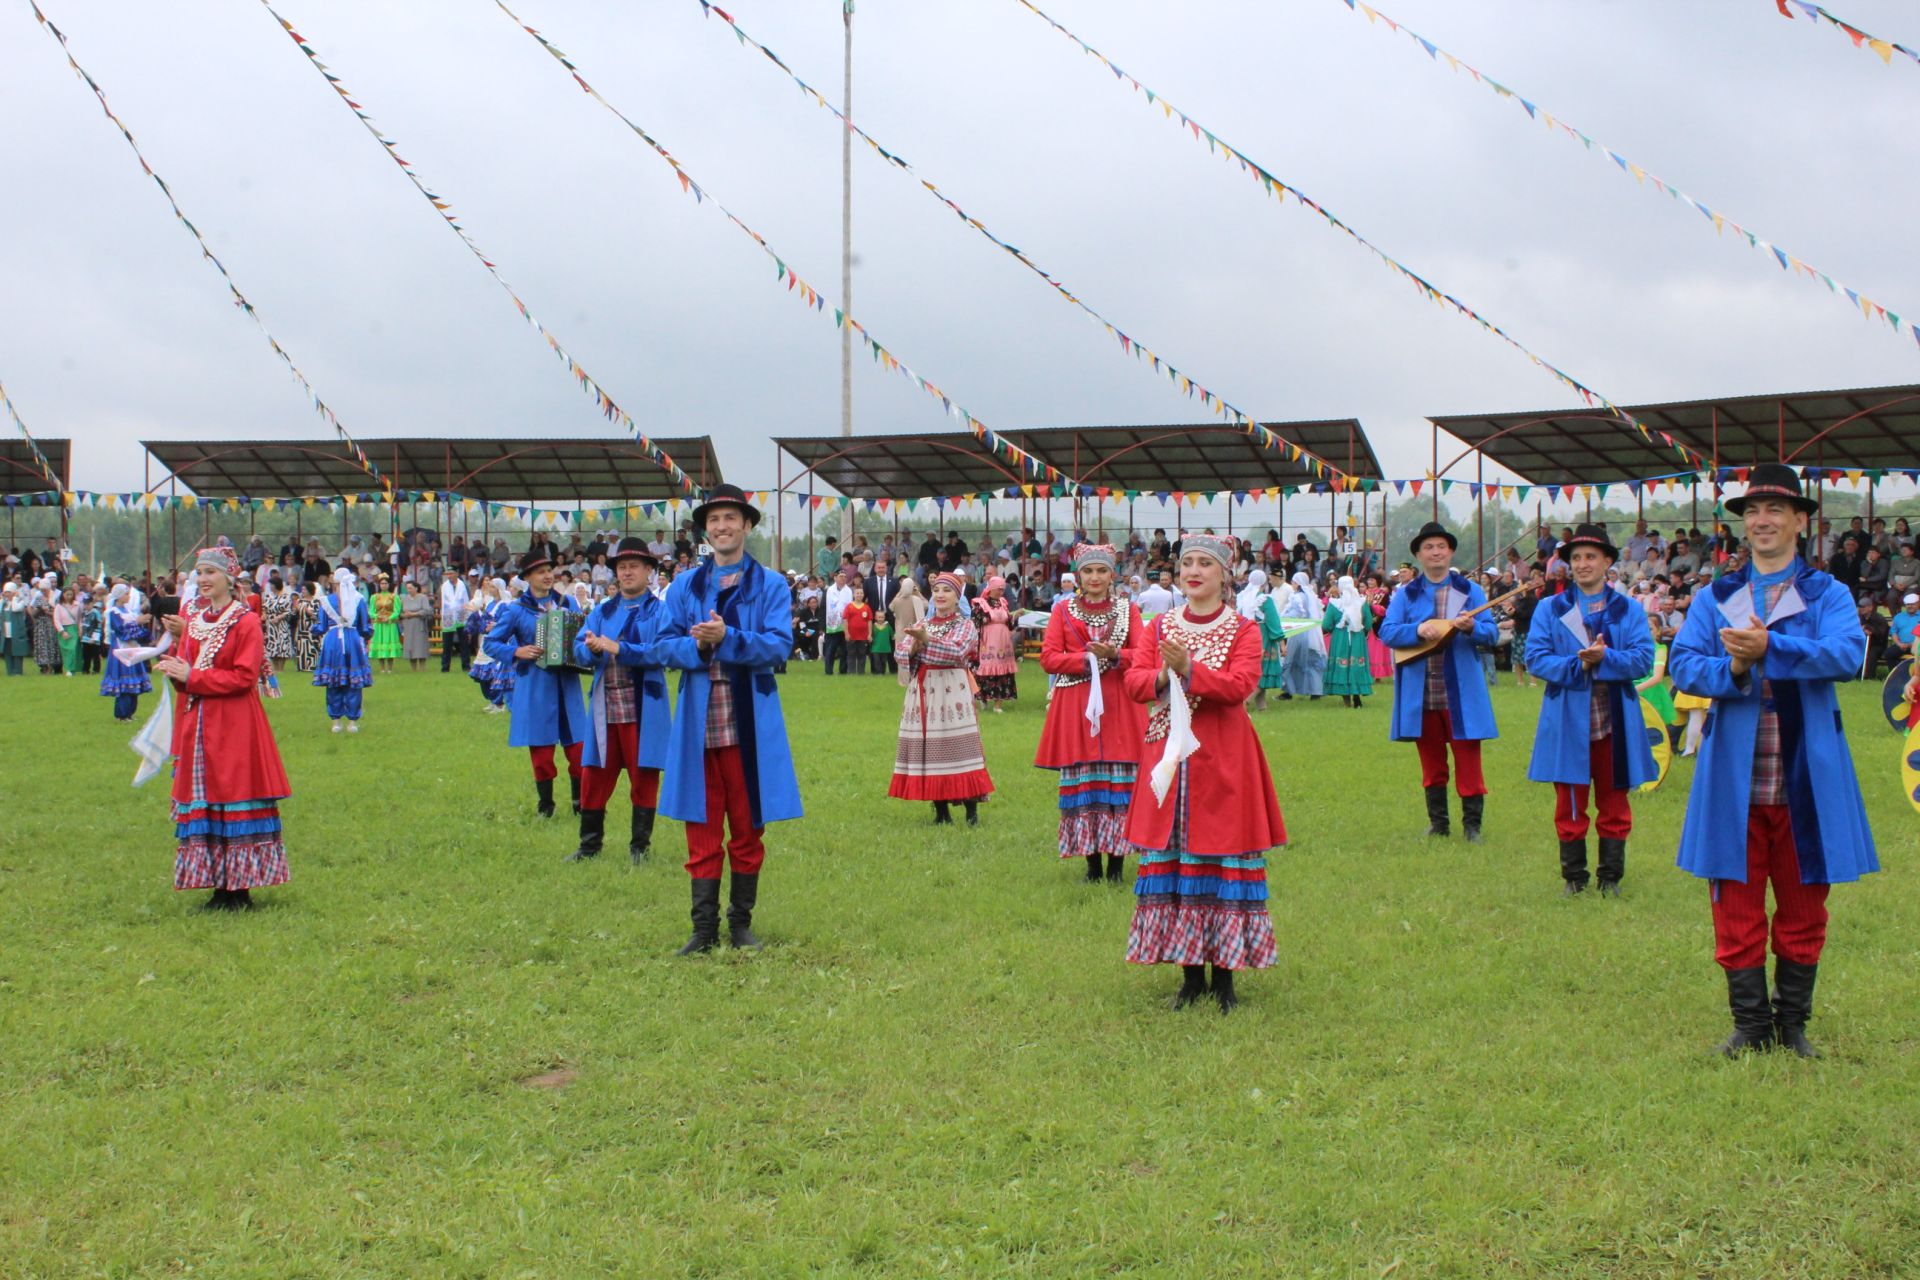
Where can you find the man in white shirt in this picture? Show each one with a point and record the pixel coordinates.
(839, 596)
(660, 547)
(1157, 597)
(453, 621)
(1640, 543)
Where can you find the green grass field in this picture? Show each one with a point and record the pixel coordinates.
(442, 1052)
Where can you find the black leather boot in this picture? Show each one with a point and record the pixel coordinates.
(706, 918)
(942, 815)
(1793, 1005)
(593, 833)
(1752, 1013)
(1223, 989)
(1613, 866)
(741, 897)
(1472, 809)
(973, 812)
(1193, 985)
(1093, 869)
(640, 841)
(574, 783)
(543, 787)
(1438, 824)
(1115, 861)
(1573, 866)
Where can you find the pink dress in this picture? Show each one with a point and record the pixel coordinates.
(999, 660)
(1379, 657)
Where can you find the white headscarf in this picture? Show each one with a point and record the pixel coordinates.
(344, 584)
(1352, 607)
(1303, 587)
(1248, 601)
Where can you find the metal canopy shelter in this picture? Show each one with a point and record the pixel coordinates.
(1859, 429)
(1204, 457)
(20, 471)
(520, 468)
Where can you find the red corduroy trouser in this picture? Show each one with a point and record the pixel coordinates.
(728, 803)
(1436, 735)
(622, 756)
(1615, 815)
(543, 766)
(1740, 910)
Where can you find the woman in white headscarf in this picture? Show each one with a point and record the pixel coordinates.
(1345, 621)
(15, 642)
(1247, 602)
(1306, 665)
(344, 629)
(128, 626)
(1268, 612)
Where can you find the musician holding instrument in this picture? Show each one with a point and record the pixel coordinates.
(1591, 645)
(1440, 698)
(627, 707)
(545, 707)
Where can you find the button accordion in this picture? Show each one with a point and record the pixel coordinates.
(559, 627)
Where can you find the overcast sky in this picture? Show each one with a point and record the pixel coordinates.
(115, 331)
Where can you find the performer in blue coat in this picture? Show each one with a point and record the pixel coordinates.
(1591, 645)
(545, 710)
(342, 668)
(128, 627)
(1441, 701)
(627, 715)
(1775, 797)
(726, 625)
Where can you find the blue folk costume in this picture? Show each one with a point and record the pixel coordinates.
(1469, 707)
(494, 678)
(759, 618)
(545, 705)
(1583, 760)
(1440, 702)
(121, 681)
(342, 668)
(1814, 640)
(634, 624)
(1775, 799)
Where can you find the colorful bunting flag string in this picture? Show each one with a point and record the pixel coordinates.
(1721, 223)
(46, 468)
(536, 516)
(1275, 187)
(1129, 345)
(809, 297)
(604, 402)
(1861, 40)
(239, 299)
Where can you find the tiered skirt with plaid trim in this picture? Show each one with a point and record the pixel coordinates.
(228, 846)
(1193, 908)
(1093, 807)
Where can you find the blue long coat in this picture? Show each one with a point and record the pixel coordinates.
(1562, 745)
(545, 706)
(633, 623)
(1472, 709)
(1814, 640)
(759, 620)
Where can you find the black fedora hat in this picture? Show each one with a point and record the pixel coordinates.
(633, 549)
(725, 495)
(1592, 535)
(1773, 480)
(534, 557)
(1433, 529)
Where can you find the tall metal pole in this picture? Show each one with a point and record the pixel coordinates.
(846, 255)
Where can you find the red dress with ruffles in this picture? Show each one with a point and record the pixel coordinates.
(1201, 889)
(227, 775)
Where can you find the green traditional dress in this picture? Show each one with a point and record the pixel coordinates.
(1349, 671)
(386, 626)
(1272, 663)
